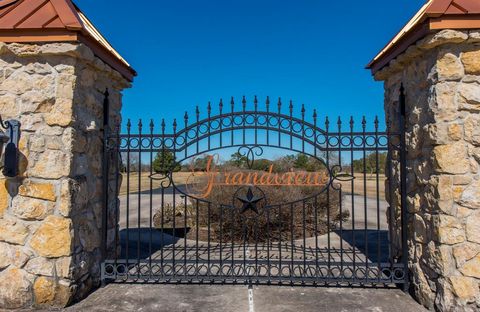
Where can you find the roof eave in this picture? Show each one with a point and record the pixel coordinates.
(100, 51)
(401, 46)
(433, 22)
(37, 35)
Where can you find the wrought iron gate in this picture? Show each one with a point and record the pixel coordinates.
(256, 196)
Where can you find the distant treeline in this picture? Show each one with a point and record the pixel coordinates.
(165, 161)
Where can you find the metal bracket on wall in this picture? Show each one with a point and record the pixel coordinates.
(10, 168)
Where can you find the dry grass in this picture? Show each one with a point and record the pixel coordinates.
(308, 218)
(371, 185)
(178, 177)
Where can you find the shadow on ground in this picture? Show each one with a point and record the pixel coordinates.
(372, 243)
(142, 242)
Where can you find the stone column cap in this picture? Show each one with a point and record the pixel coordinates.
(433, 16)
(32, 21)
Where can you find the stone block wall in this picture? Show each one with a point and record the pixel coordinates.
(441, 76)
(51, 214)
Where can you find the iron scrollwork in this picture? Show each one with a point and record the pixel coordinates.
(250, 152)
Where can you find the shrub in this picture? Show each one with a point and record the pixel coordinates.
(289, 214)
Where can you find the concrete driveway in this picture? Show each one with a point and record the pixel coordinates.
(206, 298)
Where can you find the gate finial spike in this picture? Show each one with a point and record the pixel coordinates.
(339, 121)
(232, 103)
(209, 108)
(163, 125)
(129, 124)
(327, 122)
(197, 112)
(303, 109)
(185, 117)
(255, 102)
(364, 123)
(244, 102)
(351, 122)
(376, 122)
(291, 107)
(140, 125)
(315, 114)
(174, 124)
(267, 103)
(220, 106)
(151, 125)
(279, 104)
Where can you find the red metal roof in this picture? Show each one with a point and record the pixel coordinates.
(434, 15)
(56, 20)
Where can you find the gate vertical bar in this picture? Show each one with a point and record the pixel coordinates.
(174, 203)
(105, 174)
(151, 200)
(315, 138)
(377, 191)
(118, 161)
(365, 204)
(403, 187)
(339, 124)
(139, 197)
(352, 169)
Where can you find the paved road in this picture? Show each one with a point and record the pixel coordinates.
(205, 298)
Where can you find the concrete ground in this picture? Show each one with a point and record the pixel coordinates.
(190, 298)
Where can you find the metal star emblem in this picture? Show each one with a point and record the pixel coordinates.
(250, 201)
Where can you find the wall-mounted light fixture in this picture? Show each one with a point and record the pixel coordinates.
(11, 138)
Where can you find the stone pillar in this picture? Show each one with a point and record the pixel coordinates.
(51, 214)
(441, 76)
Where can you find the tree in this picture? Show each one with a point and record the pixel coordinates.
(129, 162)
(199, 163)
(371, 163)
(261, 164)
(165, 162)
(301, 161)
(238, 160)
(308, 163)
(284, 164)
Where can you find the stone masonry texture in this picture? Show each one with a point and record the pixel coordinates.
(441, 76)
(51, 214)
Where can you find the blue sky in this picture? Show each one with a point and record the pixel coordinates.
(189, 52)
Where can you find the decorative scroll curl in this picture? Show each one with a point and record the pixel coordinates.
(250, 152)
(337, 174)
(166, 178)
